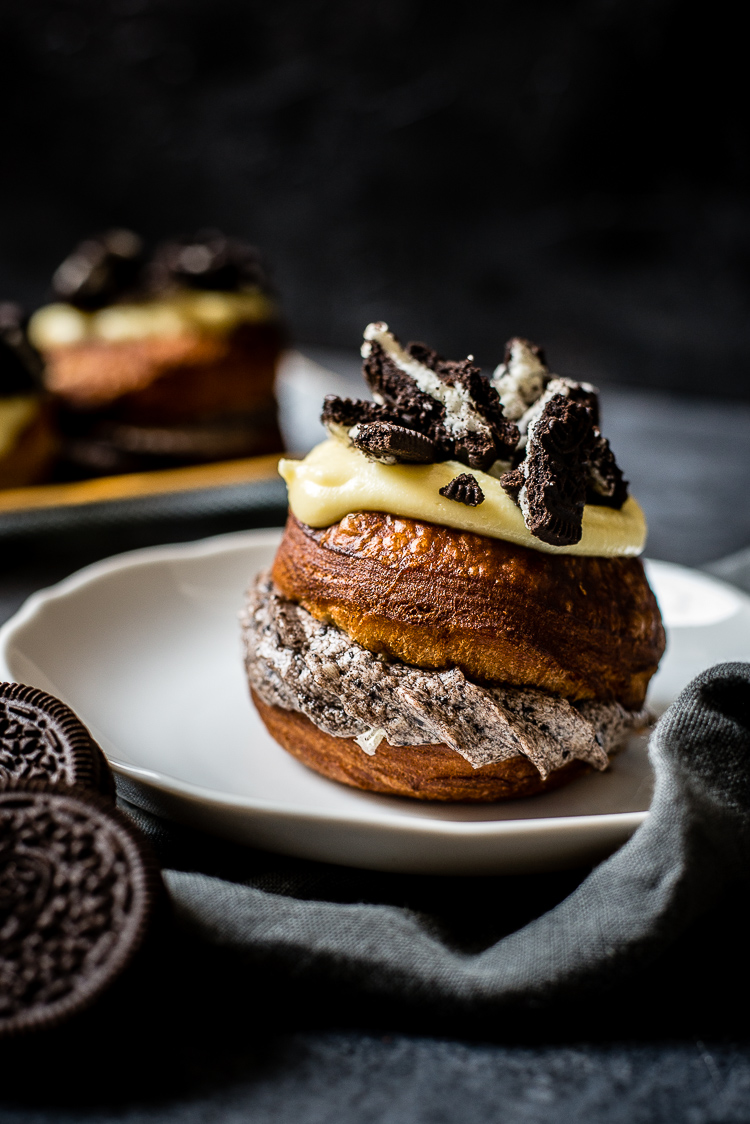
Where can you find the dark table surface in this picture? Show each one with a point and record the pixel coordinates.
(272, 1049)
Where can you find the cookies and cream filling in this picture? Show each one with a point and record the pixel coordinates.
(187, 311)
(335, 479)
(299, 663)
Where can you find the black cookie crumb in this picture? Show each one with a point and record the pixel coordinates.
(556, 472)
(100, 270)
(512, 482)
(208, 260)
(464, 489)
(416, 410)
(401, 396)
(606, 485)
(587, 398)
(78, 889)
(41, 739)
(384, 439)
(353, 411)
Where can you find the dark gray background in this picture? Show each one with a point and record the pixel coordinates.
(573, 171)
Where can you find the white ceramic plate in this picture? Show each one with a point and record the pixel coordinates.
(145, 647)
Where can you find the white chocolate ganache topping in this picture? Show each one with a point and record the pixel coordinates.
(541, 473)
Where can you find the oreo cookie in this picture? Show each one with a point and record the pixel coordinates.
(556, 471)
(78, 889)
(512, 482)
(464, 489)
(388, 442)
(606, 484)
(42, 740)
(100, 270)
(475, 446)
(354, 411)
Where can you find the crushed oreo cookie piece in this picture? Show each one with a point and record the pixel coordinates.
(540, 426)
(464, 489)
(100, 270)
(512, 482)
(452, 403)
(521, 378)
(556, 470)
(476, 450)
(582, 392)
(78, 891)
(606, 484)
(41, 739)
(526, 388)
(391, 443)
(21, 365)
(485, 400)
(208, 260)
(354, 411)
(398, 393)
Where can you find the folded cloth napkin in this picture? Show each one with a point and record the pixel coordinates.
(618, 919)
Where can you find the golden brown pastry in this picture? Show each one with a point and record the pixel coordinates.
(426, 772)
(448, 634)
(584, 628)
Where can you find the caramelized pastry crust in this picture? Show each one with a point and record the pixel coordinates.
(579, 626)
(427, 772)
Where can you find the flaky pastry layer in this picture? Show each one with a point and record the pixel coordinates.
(581, 627)
(425, 772)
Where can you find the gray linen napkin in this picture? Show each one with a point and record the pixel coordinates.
(621, 917)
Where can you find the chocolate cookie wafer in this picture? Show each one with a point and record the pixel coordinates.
(78, 888)
(42, 740)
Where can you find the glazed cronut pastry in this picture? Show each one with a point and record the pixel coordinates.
(457, 610)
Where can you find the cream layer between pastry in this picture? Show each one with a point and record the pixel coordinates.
(298, 663)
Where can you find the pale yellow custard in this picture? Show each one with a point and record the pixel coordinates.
(335, 480)
(58, 325)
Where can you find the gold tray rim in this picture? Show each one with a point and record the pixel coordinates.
(135, 485)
